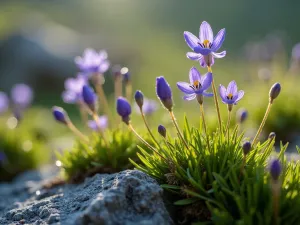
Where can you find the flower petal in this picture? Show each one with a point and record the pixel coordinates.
(207, 94)
(219, 55)
(191, 40)
(232, 88)
(104, 67)
(194, 75)
(69, 97)
(202, 51)
(189, 97)
(202, 62)
(194, 56)
(222, 91)
(185, 88)
(207, 79)
(239, 96)
(218, 41)
(205, 32)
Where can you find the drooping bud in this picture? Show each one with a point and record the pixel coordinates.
(246, 147)
(274, 91)
(116, 71)
(124, 109)
(272, 135)
(241, 115)
(60, 114)
(275, 169)
(89, 97)
(164, 92)
(162, 131)
(139, 98)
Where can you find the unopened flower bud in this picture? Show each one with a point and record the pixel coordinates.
(124, 109)
(274, 91)
(89, 97)
(139, 98)
(246, 147)
(275, 169)
(126, 75)
(60, 114)
(162, 131)
(272, 135)
(164, 92)
(241, 115)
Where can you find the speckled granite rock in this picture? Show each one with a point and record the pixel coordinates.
(126, 198)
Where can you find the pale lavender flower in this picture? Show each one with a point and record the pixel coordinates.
(101, 126)
(21, 95)
(296, 52)
(73, 87)
(92, 62)
(206, 46)
(230, 95)
(4, 102)
(197, 86)
(149, 106)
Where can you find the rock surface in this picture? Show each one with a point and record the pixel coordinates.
(126, 198)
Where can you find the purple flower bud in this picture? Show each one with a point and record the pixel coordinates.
(275, 169)
(272, 135)
(60, 114)
(124, 109)
(4, 102)
(241, 115)
(162, 131)
(164, 92)
(89, 97)
(116, 70)
(246, 147)
(126, 74)
(21, 95)
(2, 157)
(139, 98)
(274, 91)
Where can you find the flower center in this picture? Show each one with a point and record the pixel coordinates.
(206, 43)
(196, 85)
(229, 96)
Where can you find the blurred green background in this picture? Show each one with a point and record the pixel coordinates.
(39, 40)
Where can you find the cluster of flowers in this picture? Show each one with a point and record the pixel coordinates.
(92, 66)
(205, 51)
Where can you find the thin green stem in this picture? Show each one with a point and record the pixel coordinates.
(216, 100)
(262, 124)
(102, 97)
(204, 125)
(128, 91)
(177, 128)
(148, 128)
(145, 142)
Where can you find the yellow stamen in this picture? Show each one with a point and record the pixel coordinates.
(206, 43)
(230, 96)
(196, 83)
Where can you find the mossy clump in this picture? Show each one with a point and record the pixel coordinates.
(98, 156)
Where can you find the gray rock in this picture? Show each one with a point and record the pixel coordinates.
(126, 198)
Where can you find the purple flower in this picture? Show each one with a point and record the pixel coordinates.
(73, 87)
(100, 126)
(164, 92)
(92, 61)
(149, 106)
(89, 97)
(21, 95)
(162, 131)
(275, 169)
(4, 102)
(60, 114)
(124, 109)
(230, 95)
(2, 157)
(197, 86)
(296, 52)
(241, 115)
(206, 46)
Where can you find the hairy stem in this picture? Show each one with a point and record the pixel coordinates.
(74, 129)
(118, 86)
(102, 99)
(204, 125)
(262, 123)
(145, 142)
(128, 90)
(177, 128)
(216, 100)
(148, 128)
(228, 123)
